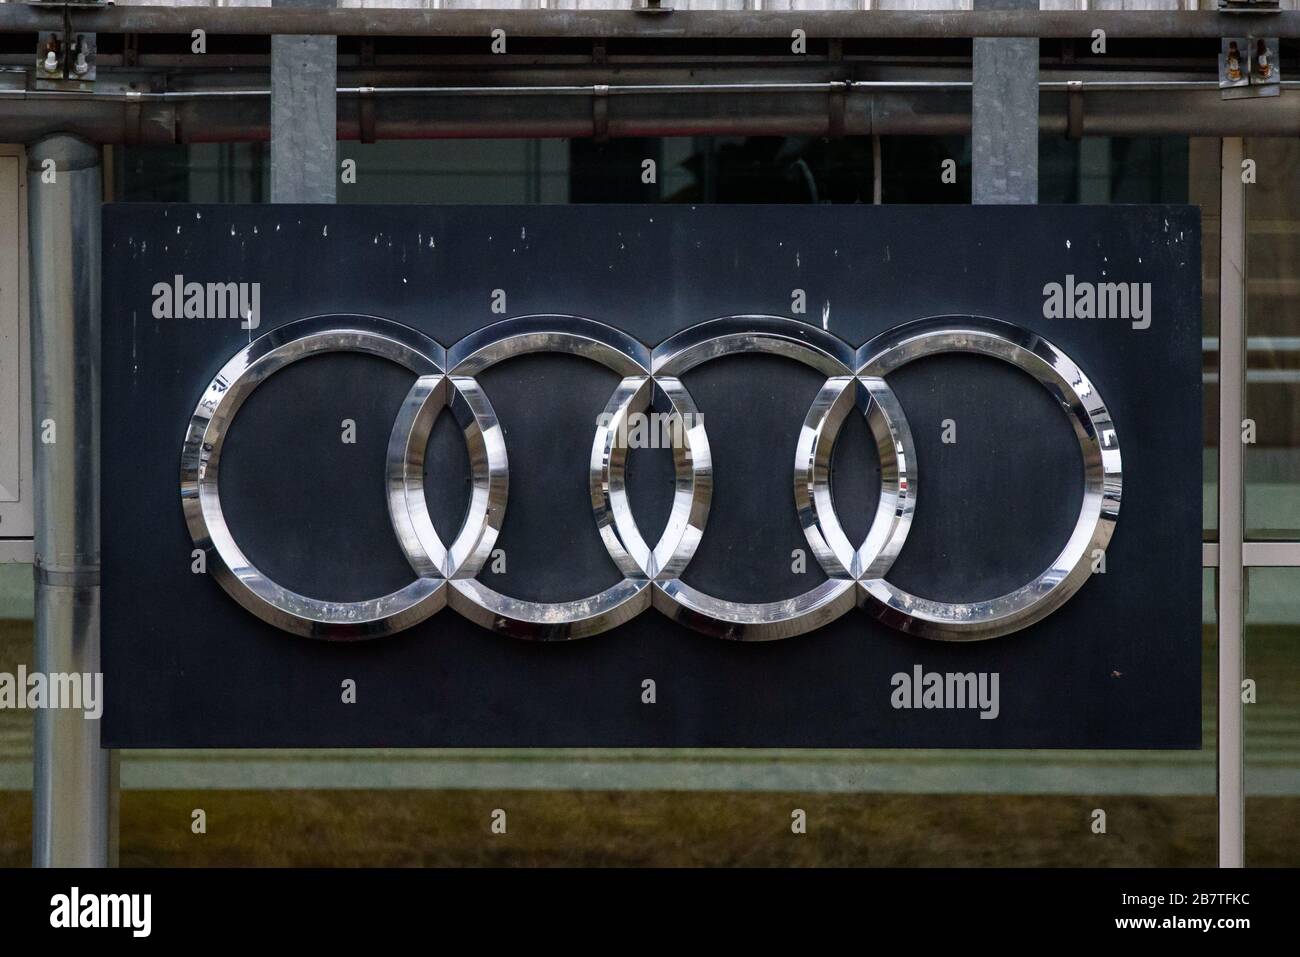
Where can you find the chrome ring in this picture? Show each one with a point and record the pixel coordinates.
(580, 618)
(775, 335)
(1102, 474)
(201, 497)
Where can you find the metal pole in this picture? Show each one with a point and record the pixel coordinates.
(1232, 580)
(304, 115)
(1004, 114)
(73, 821)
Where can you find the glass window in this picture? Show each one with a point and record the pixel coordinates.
(1272, 431)
(1272, 714)
(457, 171)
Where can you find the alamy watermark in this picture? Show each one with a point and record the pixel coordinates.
(947, 690)
(36, 690)
(76, 909)
(1099, 300)
(179, 299)
(654, 430)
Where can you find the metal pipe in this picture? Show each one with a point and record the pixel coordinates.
(663, 25)
(624, 89)
(1232, 576)
(221, 116)
(72, 811)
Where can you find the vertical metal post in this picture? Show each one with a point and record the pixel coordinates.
(73, 821)
(1232, 580)
(1004, 114)
(304, 115)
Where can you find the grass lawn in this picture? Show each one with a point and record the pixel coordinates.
(548, 828)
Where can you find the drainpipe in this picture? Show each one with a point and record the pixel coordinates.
(74, 808)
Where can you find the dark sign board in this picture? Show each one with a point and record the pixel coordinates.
(652, 476)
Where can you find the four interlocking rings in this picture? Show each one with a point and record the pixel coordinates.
(856, 379)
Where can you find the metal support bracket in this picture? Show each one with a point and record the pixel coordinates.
(132, 122)
(65, 59)
(1074, 107)
(366, 113)
(1249, 66)
(838, 108)
(600, 113)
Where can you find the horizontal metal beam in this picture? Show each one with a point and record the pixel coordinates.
(1271, 554)
(672, 25)
(1256, 554)
(568, 110)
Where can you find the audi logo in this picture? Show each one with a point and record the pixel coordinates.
(446, 574)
